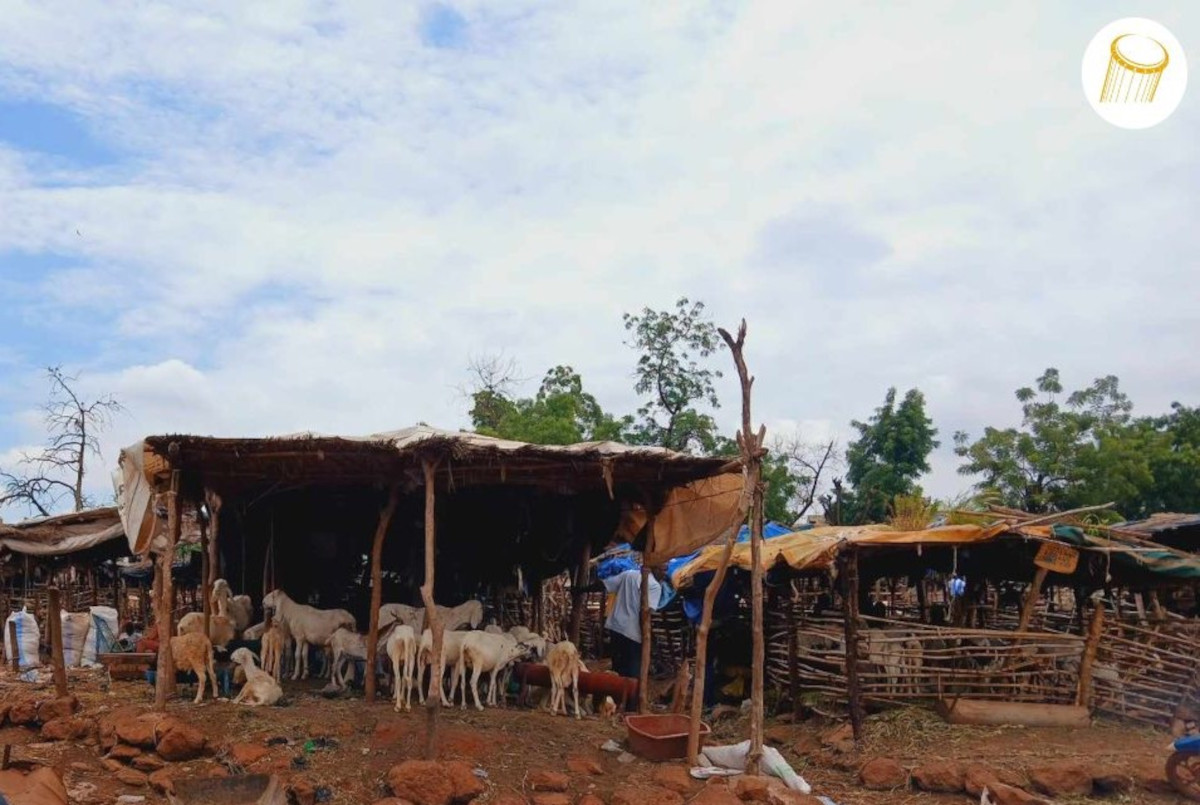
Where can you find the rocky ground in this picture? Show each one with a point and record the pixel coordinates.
(104, 743)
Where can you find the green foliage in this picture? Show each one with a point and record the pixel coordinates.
(891, 452)
(911, 512)
(560, 413)
(1088, 451)
(671, 344)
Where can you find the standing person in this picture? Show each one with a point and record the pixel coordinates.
(624, 622)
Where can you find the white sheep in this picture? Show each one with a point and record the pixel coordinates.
(347, 646)
(194, 652)
(402, 613)
(260, 688)
(451, 645)
(401, 647)
(482, 652)
(307, 625)
(238, 608)
(220, 628)
(564, 662)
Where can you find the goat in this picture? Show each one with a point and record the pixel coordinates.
(401, 647)
(563, 659)
(307, 625)
(194, 652)
(482, 652)
(220, 627)
(238, 608)
(260, 688)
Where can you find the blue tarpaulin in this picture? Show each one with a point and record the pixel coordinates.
(693, 598)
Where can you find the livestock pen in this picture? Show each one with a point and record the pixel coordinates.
(350, 522)
(966, 612)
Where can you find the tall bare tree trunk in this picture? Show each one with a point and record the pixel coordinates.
(385, 519)
(434, 702)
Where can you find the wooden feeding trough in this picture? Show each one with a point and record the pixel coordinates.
(661, 737)
(126, 665)
(244, 789)
(994, 713)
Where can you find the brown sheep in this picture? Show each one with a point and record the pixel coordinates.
(194, 652)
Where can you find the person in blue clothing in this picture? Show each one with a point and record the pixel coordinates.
(624, 622)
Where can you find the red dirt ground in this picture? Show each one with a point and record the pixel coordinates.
(509, 743)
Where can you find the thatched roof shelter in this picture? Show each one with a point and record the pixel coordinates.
(62, 534)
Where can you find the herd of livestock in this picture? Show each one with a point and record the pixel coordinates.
(468, 652)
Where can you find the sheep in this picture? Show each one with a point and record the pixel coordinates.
(274, 642)
(307, 625)
(401, 647)
(220, 628)
(260, 688)
(345, 644)
(238, 608)
(469, 613)
(194, 652)
(493, 628)
(486, 652)
(563, 659)
(403, 613)
(451, 646)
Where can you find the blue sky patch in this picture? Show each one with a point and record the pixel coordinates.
(48, 129)
(443, 27)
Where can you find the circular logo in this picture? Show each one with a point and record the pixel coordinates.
(1134, 73)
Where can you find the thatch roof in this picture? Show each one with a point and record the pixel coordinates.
(62, 534)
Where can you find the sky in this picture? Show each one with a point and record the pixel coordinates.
(251, 219)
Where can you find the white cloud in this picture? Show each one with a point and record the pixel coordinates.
(319, 218)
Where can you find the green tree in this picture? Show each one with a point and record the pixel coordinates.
(1046, 464)
(669, 371)
(560, 413)
(890, 454)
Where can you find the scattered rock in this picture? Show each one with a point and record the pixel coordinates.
(23, 714)
(161, 782)
(124, 752)
(583, 765)
(148, 763)
(68, 729)
(302, 792)
(884, 774)
(645, 795)
(674, 778)
(428, 782)
(503, 799)
(978, 777)
(245, 754)
(1064, 778)
(548, 781)
(551, 798)
(1004, 794)
(112, 765)
(586, 799)
(178, 740)
(838, 735)
(940, 777)
(751, 788)
(715, 795)
(132, 778)
(778, 735)
(781, 795)
(138, 731)
(625, 757)
(806, 744)
(62, 707)
(1150, 775)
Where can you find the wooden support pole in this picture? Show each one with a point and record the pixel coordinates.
(16, 647)
(582, 576)
(793, 658)
(853, 688)
(165, 674)
(385, 520)
(205, 578)
(1031, 599)
(54, 624)
(213, 501)
(1095, 632)
(433, 702)
(706, 611)
(647, 632)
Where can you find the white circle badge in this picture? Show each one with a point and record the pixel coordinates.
(1134, 73)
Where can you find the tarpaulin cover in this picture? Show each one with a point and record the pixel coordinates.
(693, 599)
(617, 564)
(693, 516)
(1153, 559)
(62, 534)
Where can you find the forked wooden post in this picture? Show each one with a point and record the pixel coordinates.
(164, 681)
(1031, 599)
(434, 702)
(54, 624)
(385, 519)
(1095, 632)
(853, 686)
(213, 501)
(647, 635)
(16, 647)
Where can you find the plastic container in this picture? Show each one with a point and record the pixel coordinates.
(661, 737)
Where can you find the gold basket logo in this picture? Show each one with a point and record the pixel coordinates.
(1134, 73)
